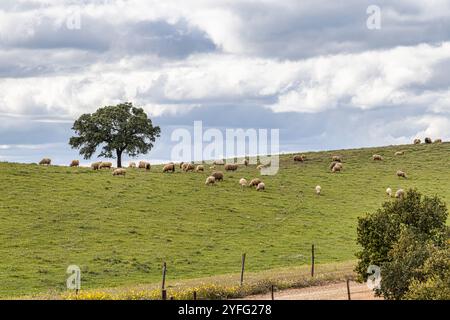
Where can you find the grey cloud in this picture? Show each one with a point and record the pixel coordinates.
(161, 38)
(284, 30)
(439, 80)
(93, 35)
(324, 27)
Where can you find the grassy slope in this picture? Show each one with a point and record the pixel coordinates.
(119, 230)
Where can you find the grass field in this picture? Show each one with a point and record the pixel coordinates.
(119, 230)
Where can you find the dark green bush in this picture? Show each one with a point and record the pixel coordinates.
(405, 260)
(399, 238)
(433, 282)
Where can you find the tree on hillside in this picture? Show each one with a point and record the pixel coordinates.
(120, 129)
(399, 238)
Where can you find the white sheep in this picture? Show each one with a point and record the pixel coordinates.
(261, 186)
(389, 192)
(400, 194)
(243, 183)
(318, 190)
(210, 180)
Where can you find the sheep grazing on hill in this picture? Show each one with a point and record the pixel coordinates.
(210, 180)
(428, 140)
(132, 165)
(45, 162)
(377, 157)
(95, 165)
(262, 166)
(188, 167)
(417, 141)
(401, 174)
(438, 141)
(333, 164)
(230, 167)
(245, 162)
(318, 190)
(243, 182)
(218, 175)
(105, 165)
(144, 165)
(254, 182)
(200, 168)
(119, 172)
(181, 164)
(336, 158)
(400, 194)
(399, 153)
(389, 192)
(261, 186)
(170, 167)
(299, 158)
(336, 167)
(219, 162)
(75, 163)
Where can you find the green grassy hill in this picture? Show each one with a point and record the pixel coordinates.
(119, 230)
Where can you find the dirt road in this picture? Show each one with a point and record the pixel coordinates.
(335, 291)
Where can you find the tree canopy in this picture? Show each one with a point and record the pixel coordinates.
(120, 129)
(399, 238)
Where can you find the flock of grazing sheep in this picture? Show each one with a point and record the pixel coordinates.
(216, 176)
(336, 166)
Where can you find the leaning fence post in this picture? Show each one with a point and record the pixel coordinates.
(163, 285)
(348, 289)
(164, 276)
(312, 261)
(242, 269)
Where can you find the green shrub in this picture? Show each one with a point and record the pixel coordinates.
(405, 261)
(399, 238)
(434, 280)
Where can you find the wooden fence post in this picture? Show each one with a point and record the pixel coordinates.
(195, 295)
(242, 269)
(163, 285)
(273, 298)
(348, 289)
(312, 261)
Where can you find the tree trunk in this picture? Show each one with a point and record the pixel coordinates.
(119, 158)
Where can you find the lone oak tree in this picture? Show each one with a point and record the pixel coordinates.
(119, 129)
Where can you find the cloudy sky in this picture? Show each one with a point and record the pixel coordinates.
(313, 69)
